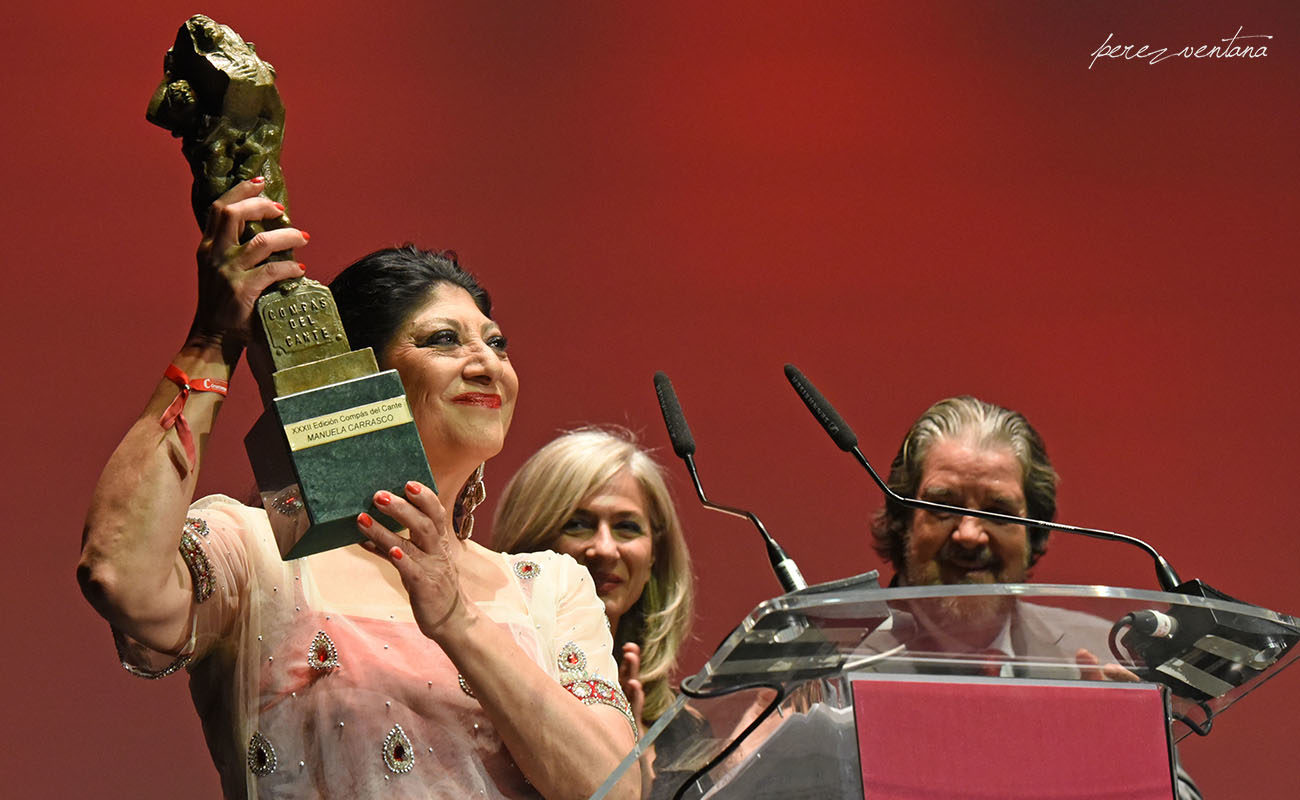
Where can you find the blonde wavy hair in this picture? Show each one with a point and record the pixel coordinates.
(546, 491)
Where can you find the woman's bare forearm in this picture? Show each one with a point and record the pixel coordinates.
(564, 748)
(130, 568)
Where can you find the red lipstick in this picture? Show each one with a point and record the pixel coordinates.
(478, 399)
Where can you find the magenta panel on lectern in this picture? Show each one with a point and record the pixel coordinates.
(939, 739)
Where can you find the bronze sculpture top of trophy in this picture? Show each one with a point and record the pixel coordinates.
(220, 99)
(336, 428)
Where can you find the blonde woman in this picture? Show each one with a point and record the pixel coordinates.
(597, 496)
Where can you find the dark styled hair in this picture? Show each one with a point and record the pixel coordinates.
(380, 291)
(987, 424)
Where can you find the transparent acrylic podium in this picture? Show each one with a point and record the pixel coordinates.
(773, 712)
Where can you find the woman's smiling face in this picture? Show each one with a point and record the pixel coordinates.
(459, 381)
(610, 534)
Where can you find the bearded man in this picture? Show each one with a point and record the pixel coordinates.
(975, 455)
(967, 453)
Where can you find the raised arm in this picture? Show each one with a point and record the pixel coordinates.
(564, 747)
(130, 568)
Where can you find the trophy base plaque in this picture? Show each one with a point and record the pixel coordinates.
(319, 456)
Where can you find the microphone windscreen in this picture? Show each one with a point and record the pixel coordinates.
(679, 433)
(839, 431)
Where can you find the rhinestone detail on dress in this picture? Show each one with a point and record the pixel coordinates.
(572, 659)
(591, 689)
(120, 642)
(464, 687)
(196, 560)
(527, 570)
(322, 655)
(261, 755)
(399, 755)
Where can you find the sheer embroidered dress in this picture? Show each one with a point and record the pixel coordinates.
(304, 692)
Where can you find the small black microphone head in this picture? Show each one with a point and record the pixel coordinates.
(840, 432)
(678, 431)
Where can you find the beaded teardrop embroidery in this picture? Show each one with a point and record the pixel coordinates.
(322, 655)
(399, 755)
(261, 755)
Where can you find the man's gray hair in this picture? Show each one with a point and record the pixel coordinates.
(986, 425)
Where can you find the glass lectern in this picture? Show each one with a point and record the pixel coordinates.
(850, 690)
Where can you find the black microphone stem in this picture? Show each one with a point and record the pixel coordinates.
(787, 572)
(679, 433)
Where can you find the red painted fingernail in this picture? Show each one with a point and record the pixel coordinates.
(305, 235)
(412, 487)
(383, 498)
(278, 206)
(302, 266)
(257, 179)
(395, 552)
(364, 520)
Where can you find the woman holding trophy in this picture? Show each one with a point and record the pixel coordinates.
(416, 664)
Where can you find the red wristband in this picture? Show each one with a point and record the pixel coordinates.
(173, 416)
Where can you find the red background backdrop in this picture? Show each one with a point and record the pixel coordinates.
(907, 200)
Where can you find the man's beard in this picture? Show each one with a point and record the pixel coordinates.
(955, 566)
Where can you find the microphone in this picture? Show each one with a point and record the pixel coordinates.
(679, 433)
(847, 440)
(1156, 624)
(1199, 652)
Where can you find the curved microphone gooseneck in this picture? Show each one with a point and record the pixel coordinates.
(679, 433)
(847, 440)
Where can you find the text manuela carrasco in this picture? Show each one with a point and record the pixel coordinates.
(1235, 46)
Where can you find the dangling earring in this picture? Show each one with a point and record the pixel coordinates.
(471, 496)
